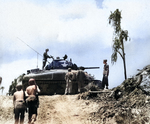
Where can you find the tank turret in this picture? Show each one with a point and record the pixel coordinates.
(52, 79)
(61, 64)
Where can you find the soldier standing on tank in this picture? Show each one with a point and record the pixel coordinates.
(32, 101)
(105, 74)
(45, 56)
(68, 78)
(81, 79)
(19, 104)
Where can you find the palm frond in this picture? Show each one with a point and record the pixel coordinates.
(123, 35)
(115, 19)
(114, 57)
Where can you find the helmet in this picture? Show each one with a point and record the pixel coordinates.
(32, 81)
(69, 69)
(19, 86)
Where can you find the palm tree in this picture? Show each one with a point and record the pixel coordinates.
(118, 40)
(115, 18)
(20, 78)
(2, 88)
(12, 87)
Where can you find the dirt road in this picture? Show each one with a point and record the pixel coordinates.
(65, 109)
(131, 108)
(57, 109)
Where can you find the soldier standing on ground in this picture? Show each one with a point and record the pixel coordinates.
(81, 79)
(0, 80)
(105, 74)
(19, 104)
(45, 56)
(68, 78)
(32, 101)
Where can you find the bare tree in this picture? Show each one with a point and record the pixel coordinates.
(119, 37)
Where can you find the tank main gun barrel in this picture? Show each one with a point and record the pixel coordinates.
(83, 68)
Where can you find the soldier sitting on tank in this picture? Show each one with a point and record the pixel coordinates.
(80, 79)
(45, 56)
(19, 104)
(32, 101)
(68, 78)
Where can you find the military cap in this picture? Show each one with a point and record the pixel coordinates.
(47, 50)
(105, 60)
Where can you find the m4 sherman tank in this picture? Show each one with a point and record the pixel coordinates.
(52, 79)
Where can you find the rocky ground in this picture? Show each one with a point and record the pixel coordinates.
(129, 103)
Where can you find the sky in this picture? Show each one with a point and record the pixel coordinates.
(78, 28)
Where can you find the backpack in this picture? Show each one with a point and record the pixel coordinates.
(31, 100)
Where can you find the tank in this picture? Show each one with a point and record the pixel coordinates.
(51, 80)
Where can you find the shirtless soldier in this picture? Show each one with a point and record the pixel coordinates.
(19, 106)
(32, 101)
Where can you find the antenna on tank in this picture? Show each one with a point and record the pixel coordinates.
(31, 48)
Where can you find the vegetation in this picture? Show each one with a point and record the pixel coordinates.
(119, 37)
(2, 88)
(12, 87)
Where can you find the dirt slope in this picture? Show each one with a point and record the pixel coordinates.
(57, 109)
(62, 109)
(86, 109)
